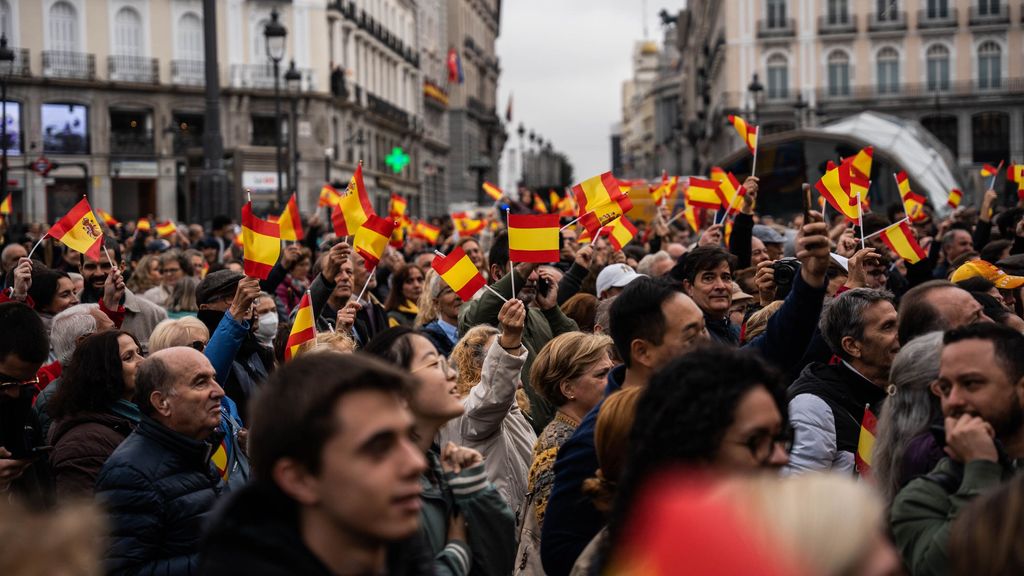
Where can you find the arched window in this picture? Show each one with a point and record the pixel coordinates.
(190, 37)
(127, 32)
(888, 62)
(778, 77)
(63, 27)
(838, 74)
(989, 65)
(938, 67)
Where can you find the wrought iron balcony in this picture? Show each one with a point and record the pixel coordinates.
(188, 72)
(889, 21)
(137, 69)
(998, 14)
(77, 65)
(837, 24)
(261, 77)
(931, 18)
(131, 143)
(387, 110)
(20, 66)
(776, 28)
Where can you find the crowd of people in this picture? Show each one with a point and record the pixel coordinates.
(762, 397)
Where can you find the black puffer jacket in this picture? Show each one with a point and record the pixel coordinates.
(158, 487)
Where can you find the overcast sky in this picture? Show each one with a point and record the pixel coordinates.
(564, 61)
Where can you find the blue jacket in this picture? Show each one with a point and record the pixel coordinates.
(571, 520)
(158, 488)
(791, 328)
(238, 372)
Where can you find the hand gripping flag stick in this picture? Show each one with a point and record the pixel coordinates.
(511, 269)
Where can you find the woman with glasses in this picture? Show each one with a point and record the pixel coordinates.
(489, 362)
(460, 506)
(92, 409)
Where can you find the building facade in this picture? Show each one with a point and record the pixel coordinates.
(956, 66)
(477, 135)
(433, 30)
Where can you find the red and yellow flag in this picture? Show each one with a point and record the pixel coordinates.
(900, 239)
(397, 206)
(261, 244)
(6, 206)
(596, 191)
(303, 329)
(692, 216)
(913, 203)
(704, 194)
(354, 206)
(538, 204)
(988, 170)
(730, 189)
(493, 191)
(566, 205)
(143, 224)
(859, 186)
(425, 231)
(554, 200)
(860, 163)
(1015, 173)
(834, 187)
(109, 220)
(329, 196)
(955, 196)
(166, 228)
(290, 221)
(593, 220)
(402, 225)
(620, 232)
(533, 238)
(371, 239)
(459, 272)
(466, 224)
(748, 132)
(79, 230)
(866, 441)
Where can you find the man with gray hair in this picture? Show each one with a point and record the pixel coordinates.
(828, 402)
(655, 265)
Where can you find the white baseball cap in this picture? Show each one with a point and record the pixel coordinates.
(615, 276)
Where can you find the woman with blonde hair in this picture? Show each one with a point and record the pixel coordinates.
(329, 342)
(185, 331)
(438, 319)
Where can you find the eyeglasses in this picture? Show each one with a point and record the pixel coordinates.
(170, 270)
(762, 444)
(8, 382)
(440, 362)
(198, 345)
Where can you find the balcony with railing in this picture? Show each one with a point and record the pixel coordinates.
(889, 21)
(387, 110)
(988, 14)
(261, 77)
(835, 24)
(134, 143)
(136, 69)
(934, 18)
(776, 28)
(188, 72)
(74, 65)
(924, 92)
(21, 65)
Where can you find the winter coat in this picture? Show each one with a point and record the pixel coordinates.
(923, 512)
(493, 424)
(81, 445)
(438, 337)
(370, 320)
(404, 315)
(491, 528)
(158, 488)
(256, 533)
(826, 407)
(541, 327)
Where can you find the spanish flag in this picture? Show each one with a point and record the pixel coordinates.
(988, 170)
(166, 228)
(290, 221)
(6, 206)
(600, 216)
(303, 329)
(397, 239)
(538, 204)
(397, 206)
(834, 186)
(425, 231)
(748, 132)
(692, 217)
(467, 225)
(859, 185)
(567, 206)
(261, 244)
(79, 230)
(900, 239)
(371, 239)
(860, 163)
(220, 460)
(354, 207)
(704, 194)
(913, 203)
(955, 196)
(533, 238)
(620, 232)
(597, 191)
(328, 196)
(729, 187)
(866, 442)
(143, 225)
(493, 191)
(554, 200)
(1014, 173)
(109, 220)
(459, 273)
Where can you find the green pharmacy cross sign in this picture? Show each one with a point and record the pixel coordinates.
(397, 160)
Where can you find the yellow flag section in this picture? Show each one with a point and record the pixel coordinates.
(596, 191)
(459, 272)
(290, 222)
(748, 132)
(900, 239)
(865, 442)
(833, 187)
(371, 240)
(261, 244)
(533, 238)
(79, 230)
(5, 206)
(620, 232)
(303, 329)
(492, 191)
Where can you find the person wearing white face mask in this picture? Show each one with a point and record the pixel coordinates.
(267, 320)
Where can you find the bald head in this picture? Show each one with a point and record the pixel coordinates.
(178, 388)
(10, 255)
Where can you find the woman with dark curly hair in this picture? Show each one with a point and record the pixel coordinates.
(52, 292)
(406, 287)
(92, 409)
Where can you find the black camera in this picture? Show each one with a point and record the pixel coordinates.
(785, 271)
(543, 287)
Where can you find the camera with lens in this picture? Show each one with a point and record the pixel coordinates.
(785, 271)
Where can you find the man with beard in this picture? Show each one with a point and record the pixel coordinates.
(827, 401)
(225, 300)
(140, 315)
(544, 319)
(981, 390)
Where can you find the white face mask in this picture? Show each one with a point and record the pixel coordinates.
(267, 328)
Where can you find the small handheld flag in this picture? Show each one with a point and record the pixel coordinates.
(261, 244)
(833, 187)
(397, 206)
(371, 240)
(704, 194)
(988, 170)
(955, 196)
(747, 132)
(900, 239)
(620, 232)
(425, 231)
(6, 205)
(466, 225)
(355, 206)
(303, 329)
(109, 220)
(597, 191)
(533, 238)
(493, 191)
(328, 196)
(866, 442)
(166, 228)
(290, 221)
(143, 225)
(79, 230)
(459, 272)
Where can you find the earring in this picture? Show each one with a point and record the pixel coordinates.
(572, 397)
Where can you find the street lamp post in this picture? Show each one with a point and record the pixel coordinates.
(6, 66)
(293, 79)
(275, 33)
(799, 108)
(755, 87)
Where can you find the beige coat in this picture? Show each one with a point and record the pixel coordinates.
(494, 425)
(141, 317)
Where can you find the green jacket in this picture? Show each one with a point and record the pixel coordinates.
(924, 510)
(541, 327)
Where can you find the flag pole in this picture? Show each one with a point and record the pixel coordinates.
(109, 259)
(757, 144)
(367, 284)
(511, 268)
(860, 219)
(873, 234)
(32, 251)
(992, 181)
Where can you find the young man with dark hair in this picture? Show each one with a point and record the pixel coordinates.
(337, 487)
(651, 323)
(981, 390)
